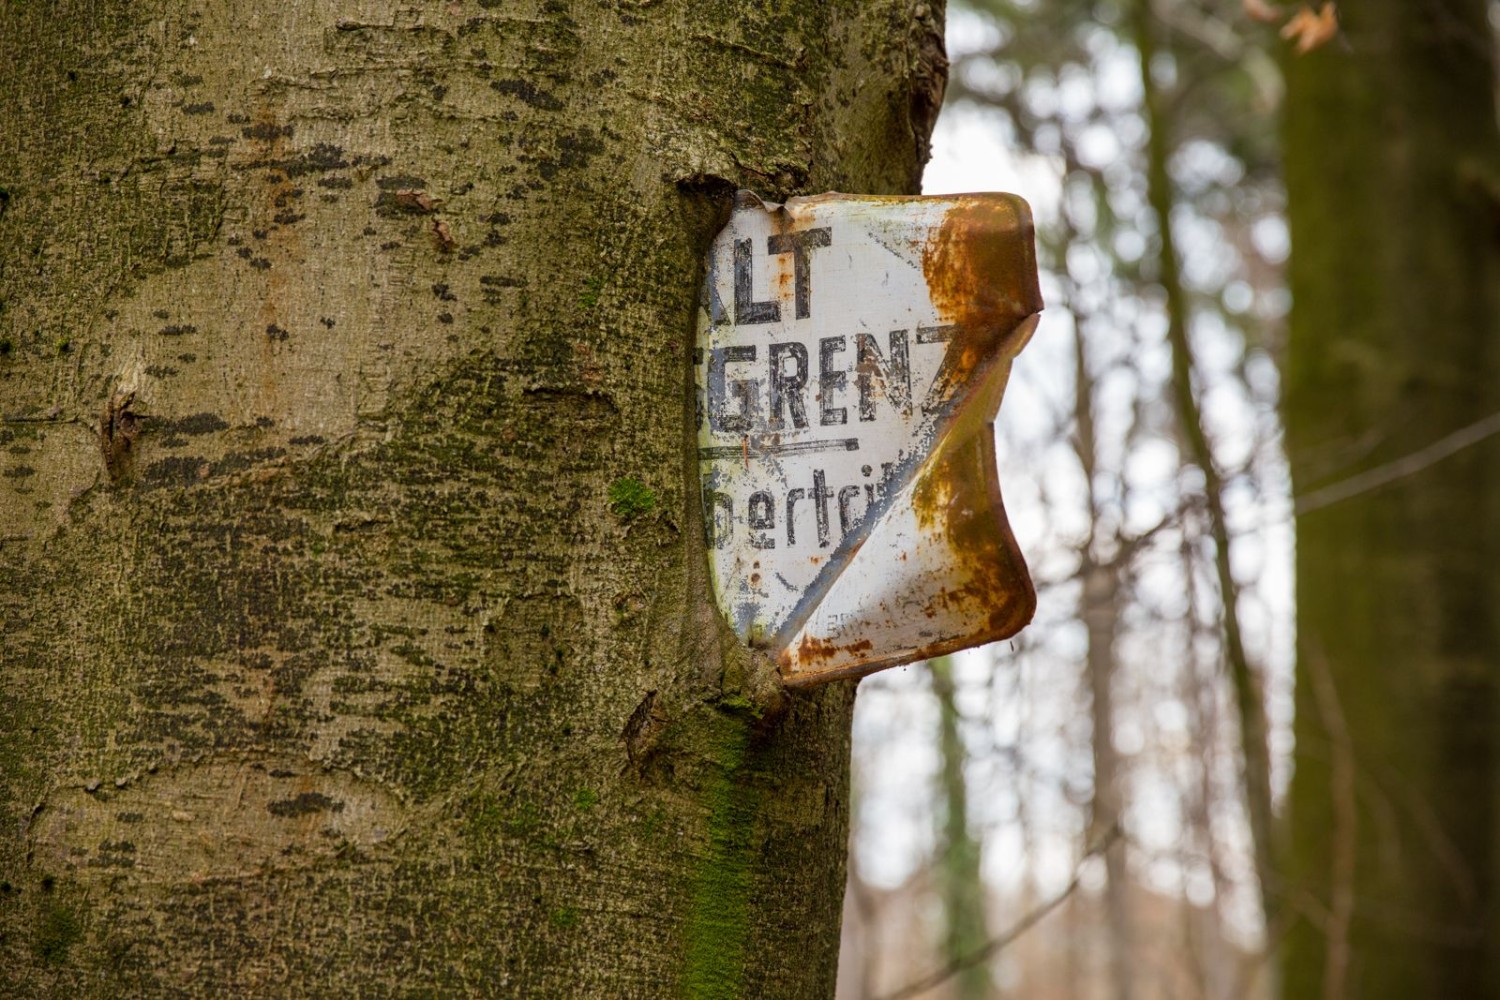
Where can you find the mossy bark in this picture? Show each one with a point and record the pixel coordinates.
(1391, 165)
(357, 638)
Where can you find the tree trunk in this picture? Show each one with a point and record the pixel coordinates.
(1392, 161)
(1099, 610)
(357, 634)
(1248, 697)
(959, 865)
(1101, 617)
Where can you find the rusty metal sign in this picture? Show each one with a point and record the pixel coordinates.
(852, 352)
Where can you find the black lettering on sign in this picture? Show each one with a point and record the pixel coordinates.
(722, 521)
(721, 418)
(792, 496)
(875, 492)
(700, 407)
(821, 494)
(746, 309)
(944, 383)
(893, 371)
(717, 529)
(800, 246)
(762, 519)
(847, 521)
(831, 381)
(788, 386)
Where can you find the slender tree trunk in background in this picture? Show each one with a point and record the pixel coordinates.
(357, 638)
(1393, 183)
(1100, 611)
(1100, 618)
(959, 876)
(1249, 699)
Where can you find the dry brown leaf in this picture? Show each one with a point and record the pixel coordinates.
(1259, 10)
(1311, 30)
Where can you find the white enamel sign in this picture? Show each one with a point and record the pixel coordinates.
(852, 352)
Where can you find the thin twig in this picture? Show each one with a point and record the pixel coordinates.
(1407, 465)
(1382, 475)
(995, 945)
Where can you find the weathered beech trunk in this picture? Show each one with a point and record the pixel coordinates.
(1393, 183)
(356, 636)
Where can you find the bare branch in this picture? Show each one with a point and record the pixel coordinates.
(995, 945)
(1407, 465)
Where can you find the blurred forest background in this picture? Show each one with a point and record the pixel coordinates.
(1246, 747)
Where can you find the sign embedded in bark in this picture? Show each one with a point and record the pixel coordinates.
(852, 352)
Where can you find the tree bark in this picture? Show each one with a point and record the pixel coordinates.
(1391, 167)
(357, 634)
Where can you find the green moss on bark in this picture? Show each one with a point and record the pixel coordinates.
(718, 924)
(630, 498)
(58, 931)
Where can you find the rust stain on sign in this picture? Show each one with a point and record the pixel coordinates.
(852, 355)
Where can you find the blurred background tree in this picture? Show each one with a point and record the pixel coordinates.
(1392, 395)
(1142, 462)
(1174, 417)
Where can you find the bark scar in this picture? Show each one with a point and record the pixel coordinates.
(119, 426)
(643, 731)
